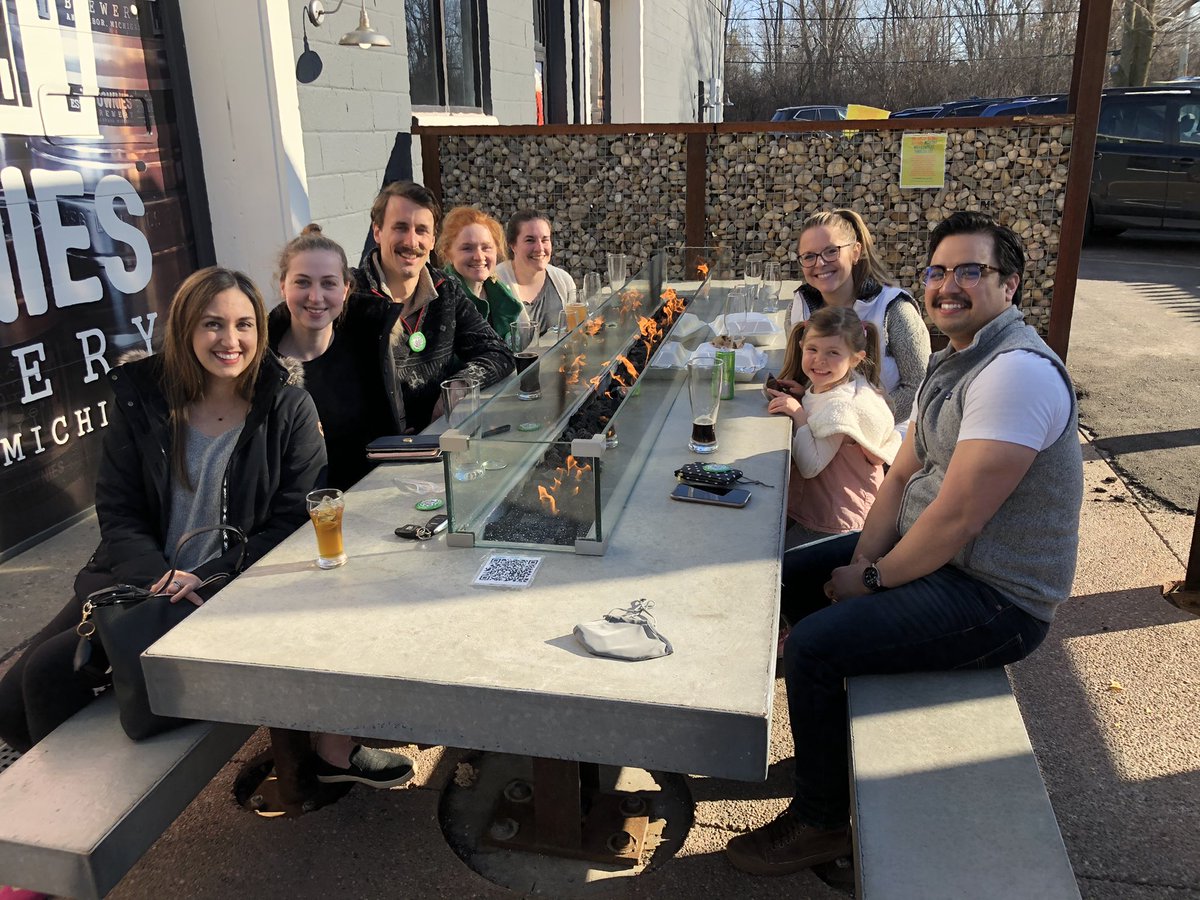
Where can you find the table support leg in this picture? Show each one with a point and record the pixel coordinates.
(280, 781)
(563, 812)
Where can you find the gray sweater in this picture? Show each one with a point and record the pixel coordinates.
(1027, 550)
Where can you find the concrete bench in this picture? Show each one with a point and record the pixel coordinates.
(947, 798)
(81, 807)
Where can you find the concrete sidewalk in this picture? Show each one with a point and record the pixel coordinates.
(1110, 702)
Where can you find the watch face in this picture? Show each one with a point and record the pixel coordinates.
(871, 578)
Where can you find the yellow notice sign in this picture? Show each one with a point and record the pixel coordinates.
(923, 161)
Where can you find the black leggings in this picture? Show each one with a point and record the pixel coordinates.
(42, 689)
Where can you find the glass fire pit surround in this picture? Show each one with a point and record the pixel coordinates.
(553, 473)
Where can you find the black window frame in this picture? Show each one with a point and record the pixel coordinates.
(482, 60)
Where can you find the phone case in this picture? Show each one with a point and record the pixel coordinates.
(405, 448)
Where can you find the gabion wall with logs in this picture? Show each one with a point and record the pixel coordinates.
(628, 192)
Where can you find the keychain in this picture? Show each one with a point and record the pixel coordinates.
(425, 532)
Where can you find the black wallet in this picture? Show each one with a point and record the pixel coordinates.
(406, 448)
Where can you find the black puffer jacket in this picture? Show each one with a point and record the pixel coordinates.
(459, 341)
(278, 459)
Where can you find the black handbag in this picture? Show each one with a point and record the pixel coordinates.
(127, 620)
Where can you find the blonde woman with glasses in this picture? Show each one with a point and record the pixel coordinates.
(841, 268)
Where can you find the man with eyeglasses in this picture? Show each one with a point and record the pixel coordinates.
(969, 548)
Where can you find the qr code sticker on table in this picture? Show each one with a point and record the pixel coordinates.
(507, 571)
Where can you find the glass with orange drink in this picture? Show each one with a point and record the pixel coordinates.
(326, 507)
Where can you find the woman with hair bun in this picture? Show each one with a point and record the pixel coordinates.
(471, 244)
(842, 268)
(336, 352)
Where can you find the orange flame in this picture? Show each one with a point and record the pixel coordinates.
(702, 268)
(629, 367)
(547, 500)
(593, 326)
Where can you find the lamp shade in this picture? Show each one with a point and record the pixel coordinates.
(364, 35)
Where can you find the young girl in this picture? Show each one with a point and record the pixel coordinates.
(842, 268)
(337, 353)
(844, 431)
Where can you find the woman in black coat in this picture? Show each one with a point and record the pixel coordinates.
(209, 431)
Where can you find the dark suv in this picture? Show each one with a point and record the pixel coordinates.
(1147, 168)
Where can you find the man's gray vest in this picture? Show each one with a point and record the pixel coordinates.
(1027, 550)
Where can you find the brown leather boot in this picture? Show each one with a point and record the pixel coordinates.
(787, 845)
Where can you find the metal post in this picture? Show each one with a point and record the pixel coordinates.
(1091, 57)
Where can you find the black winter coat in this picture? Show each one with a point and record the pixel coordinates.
(459, 342)
(278, 459)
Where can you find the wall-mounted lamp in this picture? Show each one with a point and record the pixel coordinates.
(364, 35)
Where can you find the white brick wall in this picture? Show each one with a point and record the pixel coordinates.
(350, 115)
(677, 46)
(510, 34)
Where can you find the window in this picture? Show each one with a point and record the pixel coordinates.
(1133, 119)
(1189, 123)
(444, 61)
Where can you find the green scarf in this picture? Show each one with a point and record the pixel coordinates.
(497, 305)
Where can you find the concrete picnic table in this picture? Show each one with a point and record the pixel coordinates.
(397, 644)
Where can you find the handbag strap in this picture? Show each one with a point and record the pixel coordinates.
(219, 576)
(128, 594)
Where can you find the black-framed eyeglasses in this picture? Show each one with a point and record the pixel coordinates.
(966, 275)
(829, 254)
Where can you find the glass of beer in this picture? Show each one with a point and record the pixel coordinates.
(706, 383)
(576, 314)
(326, 507)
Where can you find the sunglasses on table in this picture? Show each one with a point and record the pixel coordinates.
(966, 275)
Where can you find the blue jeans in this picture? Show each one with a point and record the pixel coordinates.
(946, 620)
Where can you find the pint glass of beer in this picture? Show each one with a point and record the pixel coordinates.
(326, 507)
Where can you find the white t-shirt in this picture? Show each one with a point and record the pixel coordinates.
(1019, 398)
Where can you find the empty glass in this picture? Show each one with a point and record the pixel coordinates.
(591, 288)
(738, 305)
(460, 401)
(616, 270)
(772, 286)
(754, 273)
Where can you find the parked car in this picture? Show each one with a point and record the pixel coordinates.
(1146, 172)
(972, 107)
(1046, 105)
(917, 112)
(809, 114)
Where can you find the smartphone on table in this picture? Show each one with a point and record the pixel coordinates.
(688, 493)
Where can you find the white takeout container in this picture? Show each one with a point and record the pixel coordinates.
(756, 328)
(748, 360)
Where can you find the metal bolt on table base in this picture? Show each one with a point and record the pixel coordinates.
(564, 813)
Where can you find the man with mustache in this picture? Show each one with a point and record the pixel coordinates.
(966, 554)
(427, 329)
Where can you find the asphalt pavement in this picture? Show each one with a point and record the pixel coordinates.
(1135, 358)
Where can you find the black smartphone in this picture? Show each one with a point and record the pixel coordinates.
(689, 493)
